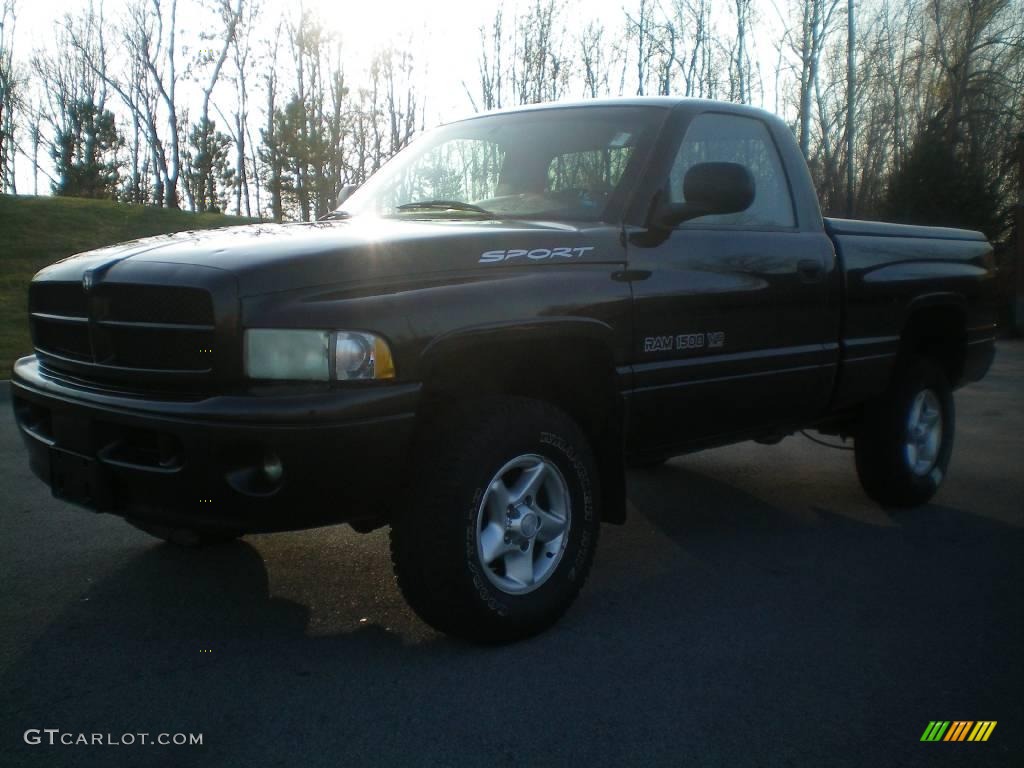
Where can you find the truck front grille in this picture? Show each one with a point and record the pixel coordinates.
(117, 329)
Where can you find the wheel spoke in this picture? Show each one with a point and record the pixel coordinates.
(924, 432)
(929, 418)
(492, 543)
(498, 500)
(519, 565)
(914, 421)
(552, 526)
(529, 482)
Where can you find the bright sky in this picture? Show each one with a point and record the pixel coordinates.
(442, 34)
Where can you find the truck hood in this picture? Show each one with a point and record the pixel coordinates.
(266, 258)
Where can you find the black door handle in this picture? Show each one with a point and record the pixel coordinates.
(631, 275)
(810, 270)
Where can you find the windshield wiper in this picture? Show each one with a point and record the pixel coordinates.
(443, 205)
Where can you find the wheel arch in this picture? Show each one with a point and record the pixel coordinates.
(568, 362)
(935, 327)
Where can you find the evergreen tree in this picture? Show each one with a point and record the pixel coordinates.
(310, 173)
(937, 187)
(209, 174)
(84, 152)
(272, 157)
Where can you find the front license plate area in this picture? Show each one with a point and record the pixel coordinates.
(77, 479)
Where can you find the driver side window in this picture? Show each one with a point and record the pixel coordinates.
(715, 137)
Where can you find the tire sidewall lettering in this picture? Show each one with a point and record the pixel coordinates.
(480, 582)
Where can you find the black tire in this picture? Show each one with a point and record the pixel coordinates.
(434, 538)
(190, 538)
(884, 460)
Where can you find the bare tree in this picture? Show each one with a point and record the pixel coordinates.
(207, 153)
(525, 62)
(147, 86)
(699, 60)
(271, 152)
(150, 38)
(951, 66)
(676, 47)
(82, 136)
(490, 65)
(979, 56)
(739, 55)
(816, 20)
(400, 100)
(540, 72)
(594, 60)
(338, 126)
(361, 120)
(829, 106)
(241, 52)
(667, 42)
(10, 96)
(36, 138)
(640, 29)
(891, 73)
(310, 127)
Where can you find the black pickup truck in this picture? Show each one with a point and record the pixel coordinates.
(481, 340)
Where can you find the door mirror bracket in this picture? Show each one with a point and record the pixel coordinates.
(345, 193)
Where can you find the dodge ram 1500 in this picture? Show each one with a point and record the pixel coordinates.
(479, 341)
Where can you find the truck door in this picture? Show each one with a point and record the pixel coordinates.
(730, 331)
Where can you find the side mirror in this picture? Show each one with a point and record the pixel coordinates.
(345, 194)
(710, 188)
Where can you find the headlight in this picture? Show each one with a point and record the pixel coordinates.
(361, 356)
(316, 355)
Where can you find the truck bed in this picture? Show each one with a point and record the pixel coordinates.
(890, 272)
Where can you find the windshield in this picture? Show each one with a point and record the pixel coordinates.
(572, 163)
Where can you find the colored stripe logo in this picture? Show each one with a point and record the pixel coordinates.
(958, 730)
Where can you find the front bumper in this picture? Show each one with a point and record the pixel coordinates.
(199, 461)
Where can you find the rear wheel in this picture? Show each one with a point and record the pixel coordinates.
(905, 441)
(501, 526)
(186, 537)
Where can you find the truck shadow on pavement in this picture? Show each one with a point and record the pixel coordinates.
(180, 641)
(710, 606)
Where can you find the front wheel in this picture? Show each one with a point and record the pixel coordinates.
(905, 441)
(500, 530)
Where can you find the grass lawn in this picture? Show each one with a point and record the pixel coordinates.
(36, 231)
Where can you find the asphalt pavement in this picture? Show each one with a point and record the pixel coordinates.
(756, 610)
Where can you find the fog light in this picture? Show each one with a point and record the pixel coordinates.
(272, 467)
